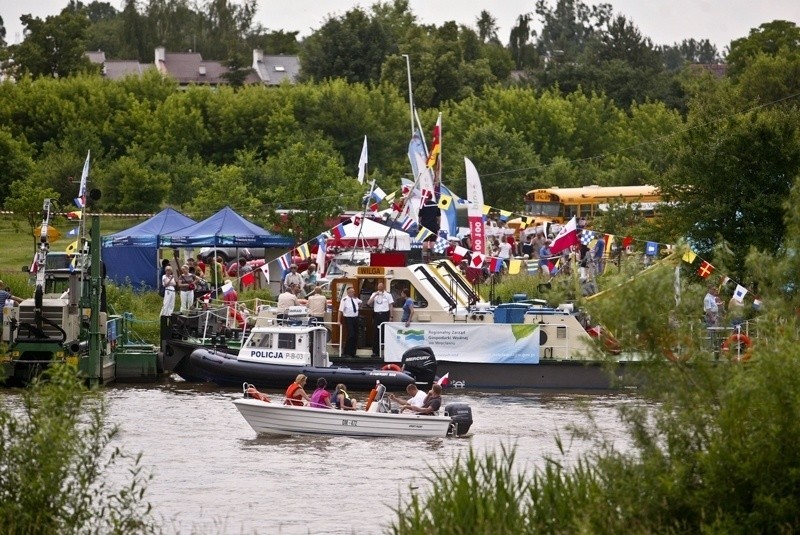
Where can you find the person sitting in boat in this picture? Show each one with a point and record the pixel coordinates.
(295, 394)
(432, 404)
(416, 398)
(321, 398)
(342, 400)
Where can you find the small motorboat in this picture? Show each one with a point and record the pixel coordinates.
(378, 420)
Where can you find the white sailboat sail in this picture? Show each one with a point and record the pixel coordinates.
(475, 209)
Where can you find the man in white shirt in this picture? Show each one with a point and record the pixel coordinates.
(416, 399)
(711, 306)
(348, 316)
(381, 303)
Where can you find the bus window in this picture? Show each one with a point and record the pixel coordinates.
(586, 210)
(570, 211)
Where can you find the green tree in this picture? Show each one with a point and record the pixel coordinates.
(56, 451)
(352, 46)
(487, 27)
(770, 38)
(15, 160)
(731, 175)
(309, 177)
(53, 47)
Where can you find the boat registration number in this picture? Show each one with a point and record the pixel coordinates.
(351, 423)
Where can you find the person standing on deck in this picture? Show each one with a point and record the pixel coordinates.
(381, 304)
(348, 317)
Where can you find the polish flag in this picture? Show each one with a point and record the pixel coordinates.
(444, 380)
(567, 236)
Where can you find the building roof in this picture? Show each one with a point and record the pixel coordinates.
(273, 70)
(117, 69)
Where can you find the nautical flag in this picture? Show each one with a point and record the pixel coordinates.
(705, 269)
(504, 215)
(248, 279)
(73, 264)
(436, 147)
(514, 266)
(265, 271)
(304, 251)
(651, 249)
(357, 220)
(322, 250)
(445, 201)
(567, 236)
(757, 303)
(495, 264)
(362, 162)
(75, 214)
(407, 223)
(285, 262)
(423, 234)
(338, 231)
(390, 197)
(586, 237)
(226, 288)
(444, 380)
(440, 245)
(627, 241)
(486, 209)
(532, 266)
(74, 232)
(78, 202)
(689, 257)
(739, 293)
(72, 247)
(378, 194)
(477, 260)
(427, 195)
(459, 253)
(82, 188)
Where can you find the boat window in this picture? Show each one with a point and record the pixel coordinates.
(260, 340)
(399, 285)
(561, 332)
(286, 340)
(368, 286)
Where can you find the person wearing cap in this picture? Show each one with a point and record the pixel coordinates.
(292, 278)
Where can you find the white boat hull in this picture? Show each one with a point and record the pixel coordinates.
(274, 419)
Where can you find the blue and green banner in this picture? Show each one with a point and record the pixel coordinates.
(480, 343)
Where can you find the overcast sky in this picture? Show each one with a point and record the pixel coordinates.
(664, 21)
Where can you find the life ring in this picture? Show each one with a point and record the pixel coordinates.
(392, 368)
(371, 398)
(738, 340)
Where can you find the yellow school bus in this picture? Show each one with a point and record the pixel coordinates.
(560, 204)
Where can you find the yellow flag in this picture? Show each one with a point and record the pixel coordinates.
(514, 266)
(445, 201)
(486, 209)
(72, 247)
(689, 257)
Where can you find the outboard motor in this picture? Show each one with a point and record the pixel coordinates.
(461, 414)
(420, 363)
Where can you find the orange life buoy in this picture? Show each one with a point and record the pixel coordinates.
(371, 398)
(738, 340)
(255, 394)
(392, 367)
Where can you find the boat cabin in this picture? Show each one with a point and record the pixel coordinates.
(291, 345)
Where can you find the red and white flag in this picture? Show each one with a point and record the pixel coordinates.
(444, 380)
(567, 236)
(459, 253)
(477, 260)
(265, 271)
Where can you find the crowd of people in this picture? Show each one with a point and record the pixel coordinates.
(417, 402)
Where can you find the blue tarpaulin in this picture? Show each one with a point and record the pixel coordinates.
(131, 256)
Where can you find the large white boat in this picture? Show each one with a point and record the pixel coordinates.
(512, 345)
(277, 419)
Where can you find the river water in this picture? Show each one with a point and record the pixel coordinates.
(213, 474)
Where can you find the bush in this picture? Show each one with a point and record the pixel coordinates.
(54, 453)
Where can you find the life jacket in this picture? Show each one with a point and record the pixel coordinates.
(347, 401)
(290, 400)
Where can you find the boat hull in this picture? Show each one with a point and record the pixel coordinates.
(556, 375)
(274, 419)
(224, 369)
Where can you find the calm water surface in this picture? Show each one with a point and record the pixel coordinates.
(213, 474)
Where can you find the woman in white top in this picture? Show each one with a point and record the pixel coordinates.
(169, 283)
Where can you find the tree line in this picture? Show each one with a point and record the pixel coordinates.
(728, 152)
